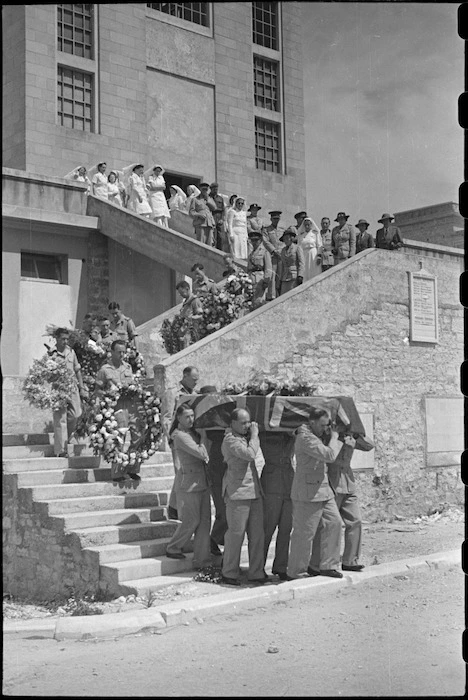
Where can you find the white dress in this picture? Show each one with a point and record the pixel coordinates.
(156, 197)
(237, 228)
(311, 244)
(136, 186)
(177, 201)
(113, 193)
(100, 185)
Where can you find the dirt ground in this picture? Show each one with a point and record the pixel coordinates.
(395, 637)
(382, 542)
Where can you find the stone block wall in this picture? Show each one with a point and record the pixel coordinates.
(41, 561)
(347, 332)
(13, 110)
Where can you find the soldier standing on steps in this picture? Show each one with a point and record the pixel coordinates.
(65, 419)
(116, 373)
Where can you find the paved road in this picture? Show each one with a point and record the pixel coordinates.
(399, 636)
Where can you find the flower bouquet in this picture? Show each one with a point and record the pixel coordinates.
(263, 386)
(137, 363)
(174, 332)
(108, 440)
(49, 383)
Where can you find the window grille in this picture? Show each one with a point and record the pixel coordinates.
(75, 30)
(75, 99)
(265, 24)
(267, 146)
(196, 12)
(266, 83)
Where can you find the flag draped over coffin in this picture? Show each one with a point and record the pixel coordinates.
(276, 413)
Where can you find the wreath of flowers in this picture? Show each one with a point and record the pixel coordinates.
(219, 309)
(49, 383)
(174, 331)
(136, 361)
(262, 386)
(108, 440)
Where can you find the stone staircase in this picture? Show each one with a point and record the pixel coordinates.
(124, 529)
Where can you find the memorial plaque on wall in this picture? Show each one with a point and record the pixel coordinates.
(424, 325)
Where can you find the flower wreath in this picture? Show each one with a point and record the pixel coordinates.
(261, 386)
(49, 383)
(173, 332)
(108, 440)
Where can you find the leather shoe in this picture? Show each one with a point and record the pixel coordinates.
(333, 573)
(352, 567)
(313, 572)
(215, 550)
(175, 555)
(230, 581)
(172, 513)
(282, 575)
(135, 477)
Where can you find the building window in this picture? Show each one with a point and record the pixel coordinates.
(75, 30)
(41, 267)
(75, 99)
(267, 146)
(196, 12)
(265, 24)
(266, 83)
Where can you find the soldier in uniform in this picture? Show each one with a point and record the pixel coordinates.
(292, 263)
(220, 241)
(271, 240)
(389, 236)
(341, 480)
(122, 326)
(202, 285)
(254, 222)
(300, 216)
(201, 210)
(276, 479)
(364, 238)
(116, 373)
(260, 268)
(343, 238)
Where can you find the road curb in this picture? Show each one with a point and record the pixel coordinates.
(156, 619)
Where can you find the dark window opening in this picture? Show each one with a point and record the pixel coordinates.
(43, 267)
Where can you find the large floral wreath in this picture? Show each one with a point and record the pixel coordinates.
(220, 308)
(108, 440)
(49, 383)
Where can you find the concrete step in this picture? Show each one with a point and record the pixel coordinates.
(101, 518)
(76, 476)
(98, 488)
(146, 586)
(10, 439)
(96, 503)
(28, 463)
(115, 534)
(122, 571)
(22, 451)
(140, 549)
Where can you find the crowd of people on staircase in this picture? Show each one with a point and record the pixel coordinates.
(299, 484)
(285, 257)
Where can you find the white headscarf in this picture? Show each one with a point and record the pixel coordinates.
(149, 172)
(73, 173)
(314, 229)
(236, 200)
(93, 170)
(126, 172)
(180, 192)
(193, 191)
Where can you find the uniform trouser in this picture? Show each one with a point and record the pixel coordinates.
(204, 234)
(195, 514)
(287, 285)
(259, 288)
(350, 512)
(65, 422)
(220, 524)
(273, 282)
(306, 519)
(244, 516)
(126, 415)
(277, 513)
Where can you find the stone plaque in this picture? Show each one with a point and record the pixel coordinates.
(424, 325)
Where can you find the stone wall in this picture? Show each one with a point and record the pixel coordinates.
(347, 332)
(40, 560)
